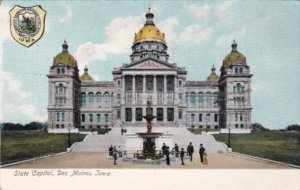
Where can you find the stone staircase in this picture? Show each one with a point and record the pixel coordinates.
(181, 136)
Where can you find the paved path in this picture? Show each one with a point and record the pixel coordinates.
(100, 160)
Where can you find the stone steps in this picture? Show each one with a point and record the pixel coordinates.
(181, 136)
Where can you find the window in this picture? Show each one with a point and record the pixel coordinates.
(57, 126)
(238, 88)
(119, 83)
(106, 99)
(118, 114)
(63, 71)
(241, 70)
(180, 114)
(60, 88)
(57, 116)
(236, 70)
(128, 113)
(83, 118)
(98, 99)
(118, 98)
(106, 118)
(139, 114)
(242, 126)
(91, 117)
(200, 117)
(208, 118)
(236, 116)
(58, 70)
(200, 100)
(180, 83)
(236, 125)
(193, 100)
(216, 127)
(160, 114)
(180, 97)
(193, 117)
(209, 100)
(170, 114)
(200, 126)
(98, 118)
(91, 97)
(83, 100)
(216, 117)
(241, 117)
(62, 116)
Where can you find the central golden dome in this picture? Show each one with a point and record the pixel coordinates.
(149, 30)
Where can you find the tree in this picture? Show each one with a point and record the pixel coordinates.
(293, 127)
(259, 127)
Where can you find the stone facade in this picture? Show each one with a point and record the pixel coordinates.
(213, 103)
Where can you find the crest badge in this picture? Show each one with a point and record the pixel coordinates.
(27, 24)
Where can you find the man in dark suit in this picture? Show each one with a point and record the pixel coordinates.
(181, 156)
(201, 152)
(191, 151)
(163, 149)
(167, 152)
(176, 150)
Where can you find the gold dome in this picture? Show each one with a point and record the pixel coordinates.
(213, 76)
(234, 56)
(149, 30)
(65, 57)
(85, 75)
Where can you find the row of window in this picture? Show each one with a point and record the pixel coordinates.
(208, 117)
(204, 100)
(60, 101)
(238, 88)
(94, 118)
(139, 114)
(60, 70)
(104, 99)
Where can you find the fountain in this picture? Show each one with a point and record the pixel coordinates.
(149, 137)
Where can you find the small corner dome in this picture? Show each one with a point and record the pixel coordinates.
(65, 57)
(85, 76)
(234, 57)
(213, 76)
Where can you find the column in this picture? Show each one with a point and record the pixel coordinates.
(144, 90)
(133, 89)
(165, 89)
(165, 115)
(123, 91)
(175, 89)
(133, 115)
(154, 95)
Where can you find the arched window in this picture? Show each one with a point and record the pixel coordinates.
(238, 88)
(209, 100)
(193, 118)
(58, 70)
(106, 100)
(201, 100)
(180, 97)
(241, 70)
(83, 100)
(193, 99)
(63, 71)
(236, 70)
(61, 88)
(98, 98)
(118, 98)
(215, 99)
(91, 97)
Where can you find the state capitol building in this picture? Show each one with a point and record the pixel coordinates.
(217, 102)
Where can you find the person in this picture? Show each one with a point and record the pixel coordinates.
(201, 152)
(115, 155)
(167, 152)
(176, 149)
(191, 151)
(110, 150)
(163, 149)
(122, 131)
(181, 156)
(120, 152)
(125, 131)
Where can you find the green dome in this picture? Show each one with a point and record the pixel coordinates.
(234, 57)
(85, 75)
(65, 57)
(213, 76)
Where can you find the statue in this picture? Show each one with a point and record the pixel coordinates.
(149, 117)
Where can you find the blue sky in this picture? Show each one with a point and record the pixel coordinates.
(198, 34)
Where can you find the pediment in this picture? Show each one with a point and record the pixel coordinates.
(149, 64)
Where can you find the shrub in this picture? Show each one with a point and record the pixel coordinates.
(259, 127)
(293, 127)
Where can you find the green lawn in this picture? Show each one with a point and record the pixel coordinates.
(275, 145)
(20, 145)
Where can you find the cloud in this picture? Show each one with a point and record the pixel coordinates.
(14, 104)
(228, 38)
(5, 24)
(168, 27)
(201, 12)
(67, 16)
(195, 33)
(120, 33)
(223, 10)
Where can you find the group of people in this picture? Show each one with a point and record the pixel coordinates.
(115, 153)
(123, 131)
(181, 153)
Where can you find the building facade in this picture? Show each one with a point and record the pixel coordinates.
(217, 102)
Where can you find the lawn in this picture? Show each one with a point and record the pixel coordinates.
(275, 145)
(21, 145)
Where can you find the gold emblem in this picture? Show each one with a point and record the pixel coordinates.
(27, 24)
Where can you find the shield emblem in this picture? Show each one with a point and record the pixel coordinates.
(27, 24)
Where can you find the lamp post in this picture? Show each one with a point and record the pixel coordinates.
(69, 136)
(229, 128)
